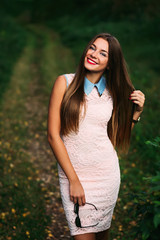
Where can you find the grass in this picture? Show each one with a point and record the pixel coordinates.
(21, 197)
(23, 215)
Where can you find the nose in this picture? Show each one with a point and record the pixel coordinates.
(94, 54)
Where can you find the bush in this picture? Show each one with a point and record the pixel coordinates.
(12, 41)
(147, 204)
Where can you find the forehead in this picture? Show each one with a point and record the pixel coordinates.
(101, 43)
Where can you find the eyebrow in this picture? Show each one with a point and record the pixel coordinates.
(101, 49)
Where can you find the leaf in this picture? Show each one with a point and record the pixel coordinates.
(155, 142)
(156, 220)
(145, 235)
(156, 203)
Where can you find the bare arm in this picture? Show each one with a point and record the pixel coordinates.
(56, 143)
(135, 117)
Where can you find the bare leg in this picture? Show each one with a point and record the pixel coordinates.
(103, 235)
(86, 236)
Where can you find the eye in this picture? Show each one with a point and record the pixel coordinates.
(103, 54)
(91, 47)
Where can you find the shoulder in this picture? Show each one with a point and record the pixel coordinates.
(69, 77)
(59, 87)
(62, 82)
(64, 79)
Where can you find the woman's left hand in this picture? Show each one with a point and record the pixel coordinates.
(138, 98)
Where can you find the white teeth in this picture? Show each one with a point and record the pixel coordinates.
(91, 61)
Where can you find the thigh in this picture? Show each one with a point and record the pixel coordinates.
(103, 235)
(86, 236)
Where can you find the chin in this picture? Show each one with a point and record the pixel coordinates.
(89, 67)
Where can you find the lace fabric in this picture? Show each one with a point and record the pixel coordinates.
(96, 164)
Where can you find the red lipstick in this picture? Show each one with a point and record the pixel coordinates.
(89, 60)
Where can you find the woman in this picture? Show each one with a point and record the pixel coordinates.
(91, 113)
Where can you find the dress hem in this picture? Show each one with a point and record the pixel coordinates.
(90, 231)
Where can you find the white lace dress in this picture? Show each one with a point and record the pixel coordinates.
(96, 164)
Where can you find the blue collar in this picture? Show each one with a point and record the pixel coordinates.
(88, 86)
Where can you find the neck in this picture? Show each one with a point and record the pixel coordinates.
(93, 77)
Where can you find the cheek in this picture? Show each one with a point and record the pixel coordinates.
(105, 62)
(89, 52)
(85, 60)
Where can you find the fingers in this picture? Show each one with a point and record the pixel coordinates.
(137, 94)
(72, 198)
(137, 97)
(75, 200)
(77, 193)
(81, 200)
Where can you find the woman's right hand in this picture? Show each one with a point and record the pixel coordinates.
(77, 192)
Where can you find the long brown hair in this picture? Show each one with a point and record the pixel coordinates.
(120, 87)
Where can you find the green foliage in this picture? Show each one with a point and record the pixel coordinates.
(40, 10)
(12, 41)
(155, 143)
(147, 204)
(136, 39)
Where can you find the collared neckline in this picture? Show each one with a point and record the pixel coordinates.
(88, 85)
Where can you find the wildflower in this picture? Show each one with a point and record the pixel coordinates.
(120, 228)
(26, 214)
(3, 215)
(13, 210)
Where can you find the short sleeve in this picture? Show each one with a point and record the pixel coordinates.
(66, 79)
(69, 78)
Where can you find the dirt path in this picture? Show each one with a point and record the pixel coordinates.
(44, 161)
(24, 142)
(39, 149)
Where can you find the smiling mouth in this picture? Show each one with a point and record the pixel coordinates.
(91, 61)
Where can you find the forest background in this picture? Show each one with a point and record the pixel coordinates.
(39, 40)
